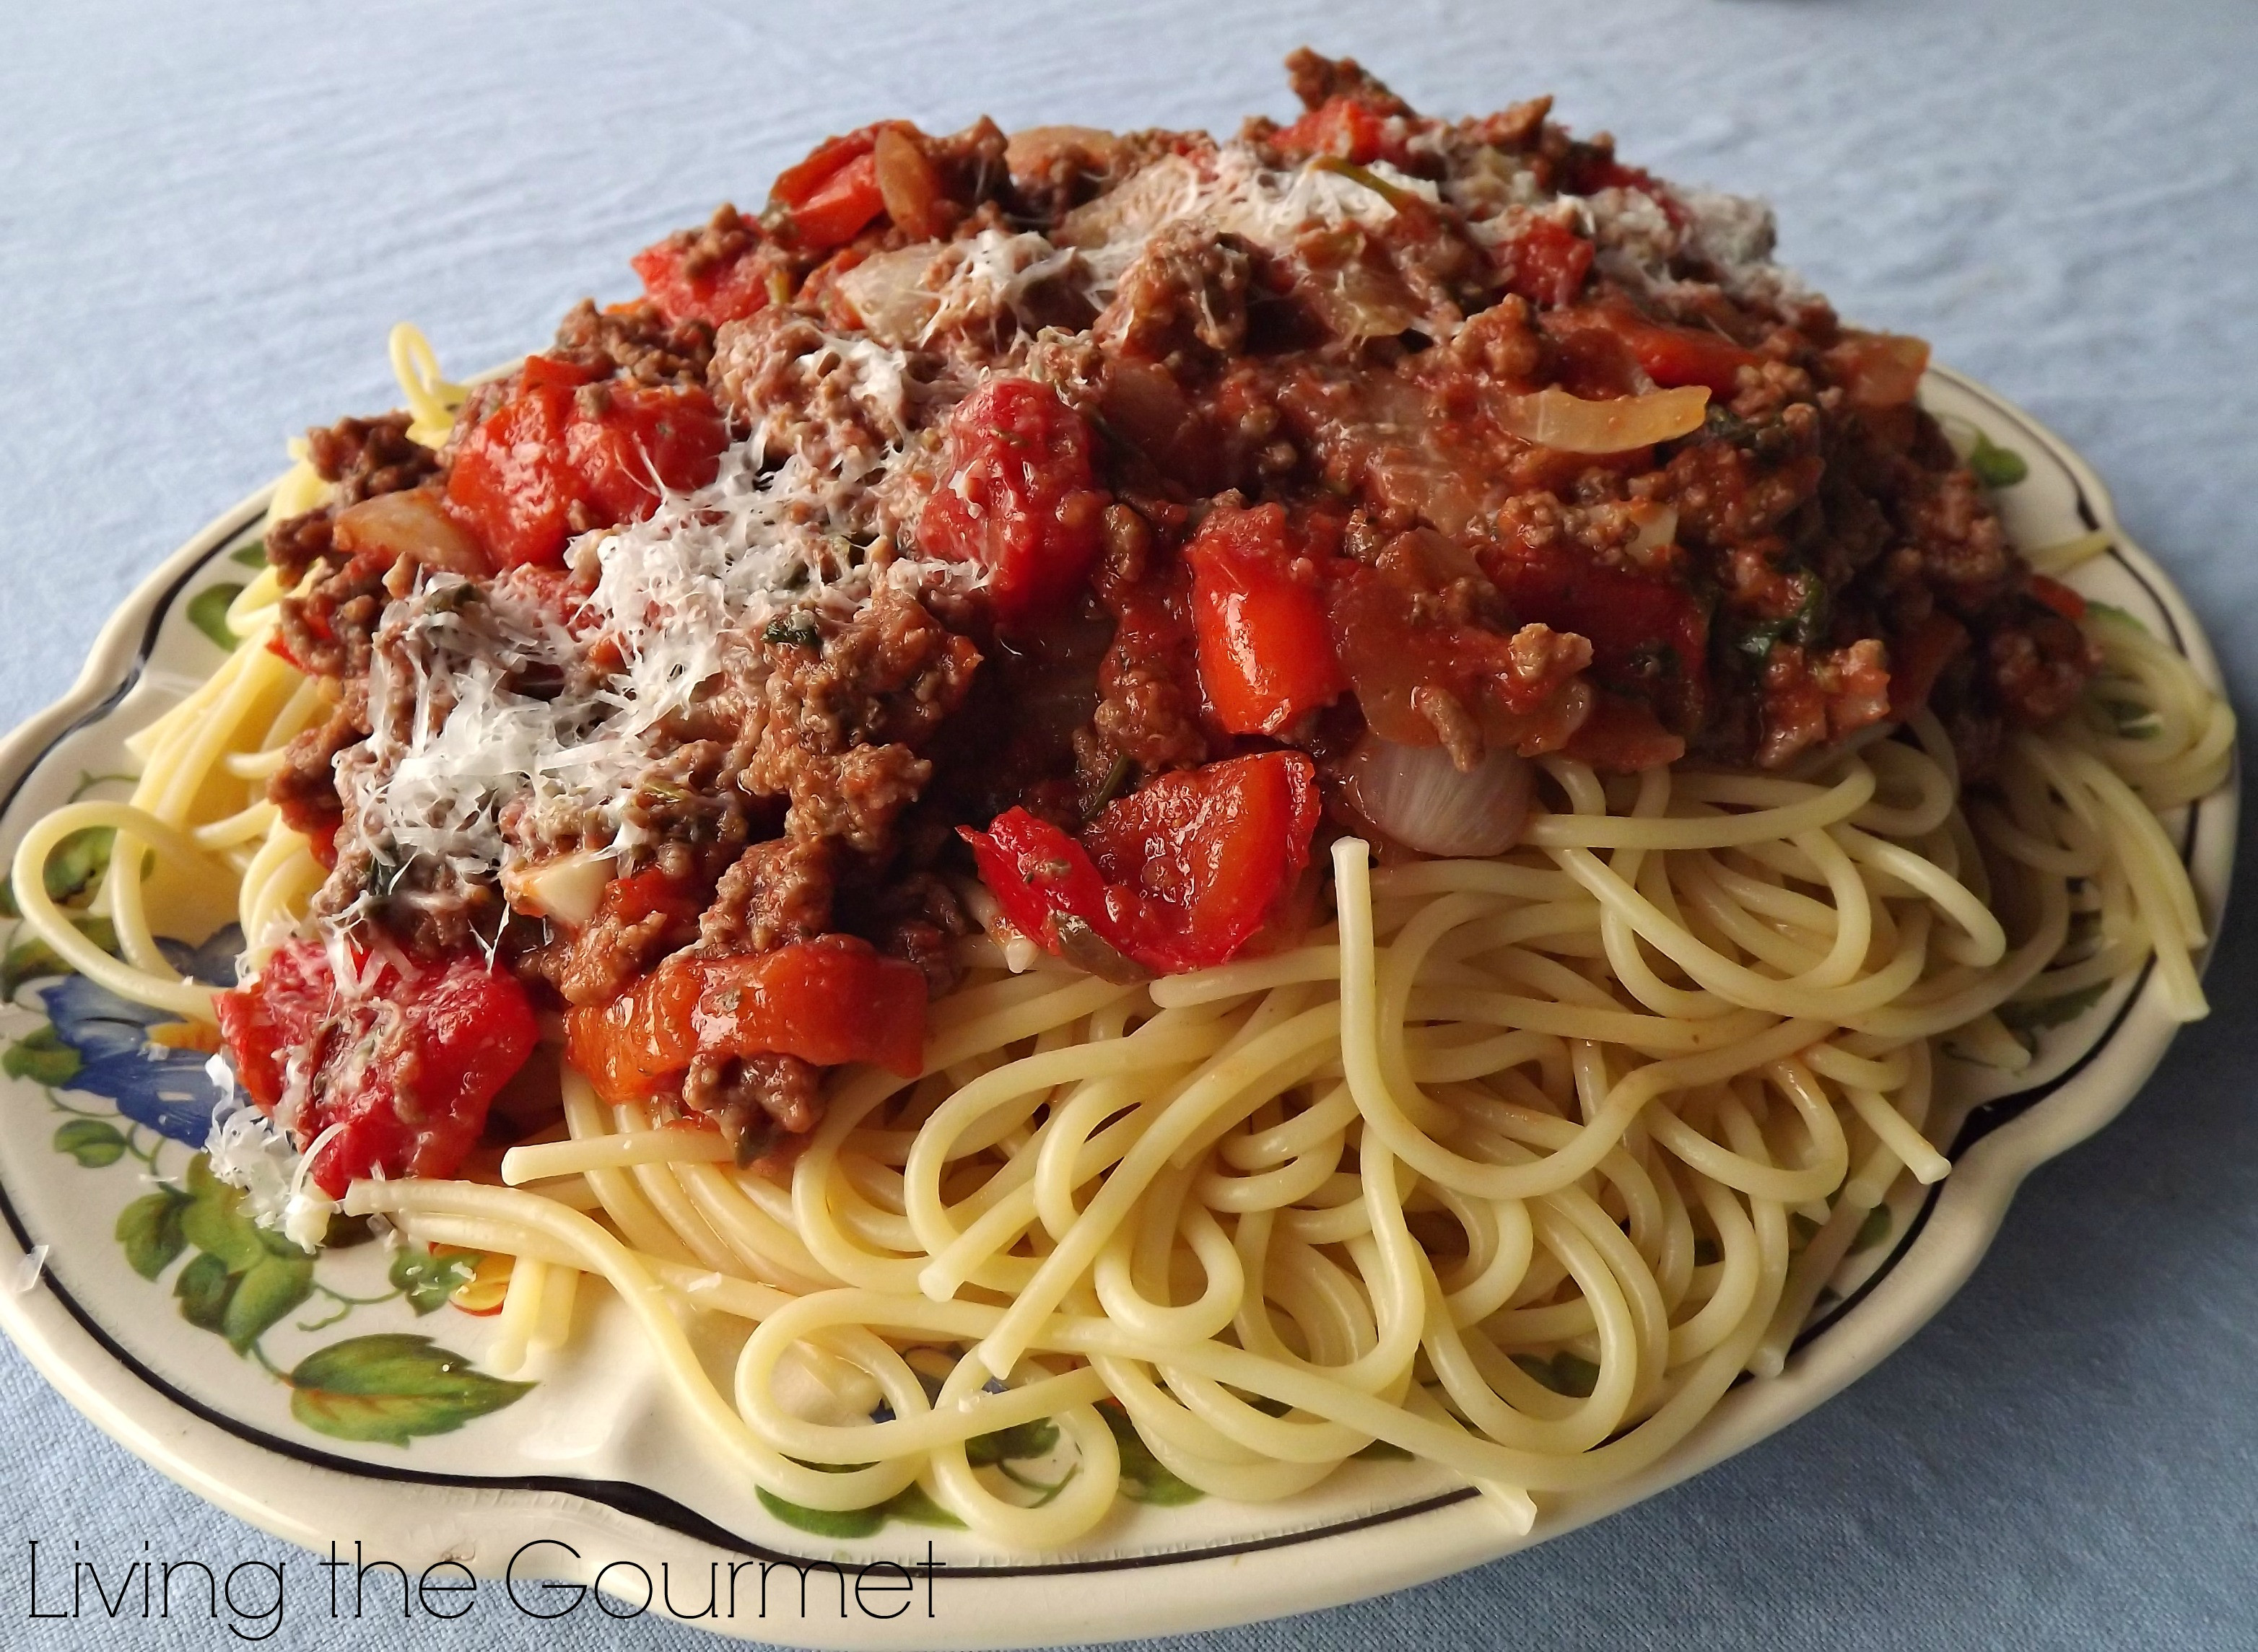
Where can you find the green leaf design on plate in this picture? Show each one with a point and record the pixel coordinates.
(824, 1522)
(1872, 1230)
(1384, 1451)
(215, 1224)
(392, 1387)
(2024, 1018)
(911, 1504)
(1144, 1477)
(77, 860)
(1996, 466)
(2111, 611)
(93, 1142)
(208, 612)
(150, 1231)
(271, 1288)
(31, 959)
(1564, 1373)
(42, 1057)
(250, 555)
(2129, 719)
(203, 1288)
(1031, 1439)
(428, 1281)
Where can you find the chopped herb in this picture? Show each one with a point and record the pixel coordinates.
(1873, 1229)
(792, 631)
(384, 875)
(1805, 627)
(1564, 1373)
(2110, 611)
(2033, 1016)
(1402, 200)
(1725, 425)
(1116, 777)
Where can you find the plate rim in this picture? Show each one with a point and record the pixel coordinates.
(304, 1501)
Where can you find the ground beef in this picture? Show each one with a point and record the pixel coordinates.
(760, 1102)
(832, 724)
(776, 892)
(634, 341)
(1186, 291)
(2039, 666)
(368, 457)
(328, 629)
(782, 375)
(362, 458)
(1317, 79)
(917, 918)
(689, 796)
(1148, 697)
(305, 787)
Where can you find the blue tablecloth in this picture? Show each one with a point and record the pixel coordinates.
(211, 213)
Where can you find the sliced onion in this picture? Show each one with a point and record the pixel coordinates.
(1657, 529)
(889, 293)
(1352, 286)
(1552, 418)
(1415, 796)
(410, 523)
(907, 184)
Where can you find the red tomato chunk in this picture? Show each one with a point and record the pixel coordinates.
(405, 1068)
(551, 461)
(828, 1001)
(1266, 660)
(1177, 876)
(1020, 498)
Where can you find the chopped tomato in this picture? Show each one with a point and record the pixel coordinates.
(1408, 667)
(727, 291)
(1266, 660)
(1020, 498)
(1623, 736)
(1674, 356)
(798, 182)
(1545, 263)
(402, 1067)
(2060, 598)
(837, 212)
(1177, 875)
(629, 1047)
(829, 1001)
(551, 447)
(1346, 127)
(1649, 636)
(1918, 658)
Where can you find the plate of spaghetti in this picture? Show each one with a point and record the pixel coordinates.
(1282, 860)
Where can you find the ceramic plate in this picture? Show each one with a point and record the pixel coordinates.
(344, 1399)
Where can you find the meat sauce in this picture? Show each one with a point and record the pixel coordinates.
(1174, 470)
